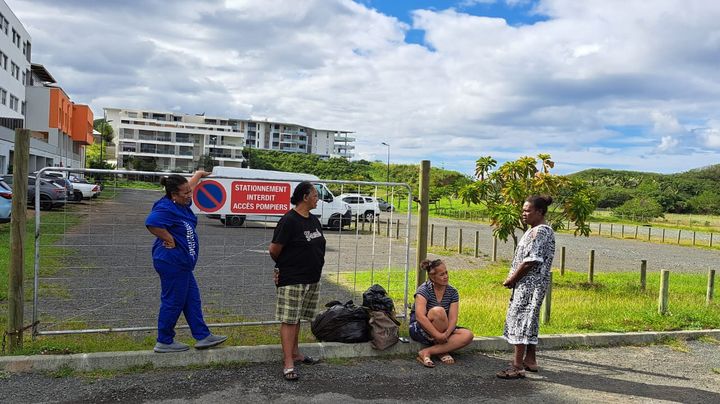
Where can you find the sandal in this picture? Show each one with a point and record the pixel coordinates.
(511, 373)
(309, 360)
(531, 368)
(290, 374)
(447, 359)
(425, 361)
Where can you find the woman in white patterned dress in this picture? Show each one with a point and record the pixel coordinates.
(528, 278)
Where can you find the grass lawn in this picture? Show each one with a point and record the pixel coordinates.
(614, 303)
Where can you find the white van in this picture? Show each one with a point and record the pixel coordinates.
(234, 195)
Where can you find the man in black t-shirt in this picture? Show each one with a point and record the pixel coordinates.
(298, 249)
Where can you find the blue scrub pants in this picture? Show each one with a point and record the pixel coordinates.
(179, 294)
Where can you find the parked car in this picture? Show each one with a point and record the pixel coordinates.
(362, 206)
(5, 202)
(384, 205)
(60, 178)
(87, 189)
(52, 195)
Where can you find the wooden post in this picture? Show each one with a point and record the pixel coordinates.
(445, 239)
(663, 235)
(679, 231)
(599, 229)
(432, 233)
(693, 237)
(591, 266)
(636, 232)
(547, 302)
(643, 274)
(622, 231)
(663, 298)
(363, 226)
(710, 286)
(649, 232)
(397, 229)
(562, 260)
(494, 246)
(477, 244)
(18, 222)
(460, 240)
(422, 228)
(711, 237)
(389, 223)
(611, 229)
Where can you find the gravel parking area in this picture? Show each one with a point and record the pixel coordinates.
(655, 373)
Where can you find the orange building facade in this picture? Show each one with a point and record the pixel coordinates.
(75, 120)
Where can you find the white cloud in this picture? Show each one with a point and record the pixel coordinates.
(567, 85)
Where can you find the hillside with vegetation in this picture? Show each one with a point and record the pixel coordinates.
(652, 194)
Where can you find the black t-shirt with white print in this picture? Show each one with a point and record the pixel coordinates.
(303, 254)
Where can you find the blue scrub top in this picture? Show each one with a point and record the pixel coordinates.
(180, 222)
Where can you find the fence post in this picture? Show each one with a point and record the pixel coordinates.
(562, 260)
(663, 236)
(494, 252)
(477, 243)
(389, 223)
(599, 229)
(18, 222)
(460, 240)
(643, 274)
(397, 229)
(663, 298)
(711, 237)
(432, 233)
(649, 232)
(547, 302)
(679, 231)
(591, 266)
(693, 237)
(710, 286)
(636, 232)
(622, 231)
(424, 194)
(445, 239)
(611, 229)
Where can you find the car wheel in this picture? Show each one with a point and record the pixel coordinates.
(235, 221)
(369, 216)
(222, 220)
(77, 196)
(45, 203)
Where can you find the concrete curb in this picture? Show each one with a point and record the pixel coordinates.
(325, 350)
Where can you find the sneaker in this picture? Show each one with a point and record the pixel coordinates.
(210, 341)
(174, 347)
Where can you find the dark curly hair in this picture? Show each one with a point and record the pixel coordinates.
(428, 265)
(302, 189)
(540, 203)
(172, 183)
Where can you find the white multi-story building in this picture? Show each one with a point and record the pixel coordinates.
(177, 141)
(15, 52)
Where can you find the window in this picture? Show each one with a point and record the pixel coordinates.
(3, 60)
(3, 96)
(22, 108)
(4, 24)
(15, 70)
(24, 77)
(14, 102)
(16, 38)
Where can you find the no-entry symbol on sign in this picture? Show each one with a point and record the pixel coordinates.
(209, 196)
(256, 197)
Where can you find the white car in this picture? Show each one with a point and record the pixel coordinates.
(362, 206)
(88, 190)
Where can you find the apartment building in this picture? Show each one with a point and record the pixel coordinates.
(15, 56)
(176, 141)
(30, 98)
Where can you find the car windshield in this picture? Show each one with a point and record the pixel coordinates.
(4, 185)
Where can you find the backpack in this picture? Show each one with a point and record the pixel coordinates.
(341, 323)
(383, 330)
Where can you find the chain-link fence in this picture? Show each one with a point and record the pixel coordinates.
(93, 268)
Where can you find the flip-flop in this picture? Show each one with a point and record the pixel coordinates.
(426, 361)
(309, 360)
(511, 373)
(447, 359)
(290, 374)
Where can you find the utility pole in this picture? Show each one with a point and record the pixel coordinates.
(18, 221)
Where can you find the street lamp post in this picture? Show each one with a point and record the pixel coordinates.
(388, 169)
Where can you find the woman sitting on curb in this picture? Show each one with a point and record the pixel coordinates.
(433, 318)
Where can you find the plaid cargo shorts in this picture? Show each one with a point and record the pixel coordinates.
(296, 302)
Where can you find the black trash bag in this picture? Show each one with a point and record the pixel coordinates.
(341, 323)
(375, 298)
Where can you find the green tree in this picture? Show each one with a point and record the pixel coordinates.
(206, 162)
(642, 208)
(708, 202)
(106, 137)
(503, 192)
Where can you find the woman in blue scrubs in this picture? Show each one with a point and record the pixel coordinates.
(175, 253)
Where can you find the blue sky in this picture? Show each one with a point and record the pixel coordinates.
(626, 84)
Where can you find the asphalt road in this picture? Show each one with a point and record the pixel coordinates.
(626, 374)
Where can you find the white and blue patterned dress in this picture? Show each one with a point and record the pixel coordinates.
(521, 324)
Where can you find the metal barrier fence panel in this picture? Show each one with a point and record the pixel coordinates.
(94, 271)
